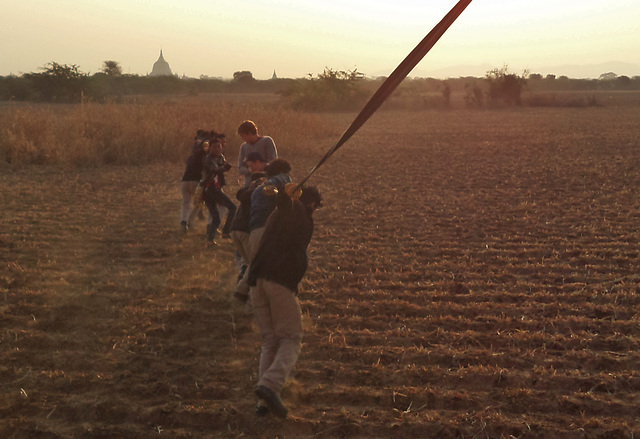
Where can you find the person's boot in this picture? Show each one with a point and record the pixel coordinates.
(272, 401)
(211, 234)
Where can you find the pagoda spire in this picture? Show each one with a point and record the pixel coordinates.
(161, 67)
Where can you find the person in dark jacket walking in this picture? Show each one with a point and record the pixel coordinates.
(275, 272)
(212, 183)
(191, 177)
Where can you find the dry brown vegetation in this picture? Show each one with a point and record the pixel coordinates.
(474, 274)
(141, 131)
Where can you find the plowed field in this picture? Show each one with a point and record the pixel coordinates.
(474, 274)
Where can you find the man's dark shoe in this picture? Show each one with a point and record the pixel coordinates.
(272, 400)
(262, 410)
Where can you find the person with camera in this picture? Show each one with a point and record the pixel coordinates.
(213, 180)
(274, 274)
(191, 177)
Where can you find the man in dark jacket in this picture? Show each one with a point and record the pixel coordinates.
(275, 272)
(191, 178)
(213, 180)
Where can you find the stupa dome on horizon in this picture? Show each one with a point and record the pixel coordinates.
(161, 67)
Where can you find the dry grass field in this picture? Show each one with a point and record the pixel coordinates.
(474, 274)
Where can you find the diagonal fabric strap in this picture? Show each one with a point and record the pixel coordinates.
(396, 77)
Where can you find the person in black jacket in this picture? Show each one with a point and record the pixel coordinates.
(191, 177)
(215, 166)
(274, 273)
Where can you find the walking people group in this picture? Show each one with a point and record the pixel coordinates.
(271, 229)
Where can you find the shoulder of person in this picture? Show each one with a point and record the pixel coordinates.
(279, 180)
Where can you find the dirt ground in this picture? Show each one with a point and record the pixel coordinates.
(474, 274)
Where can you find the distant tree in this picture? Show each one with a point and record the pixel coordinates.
(243, 76)
(623, 82)
(535, 76)
(111, 68)
(550, 77)
(331, 90)
(607, 76)
(506, 87)
(58, 82)
(15, 88)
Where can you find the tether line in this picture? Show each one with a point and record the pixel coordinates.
(394, 79)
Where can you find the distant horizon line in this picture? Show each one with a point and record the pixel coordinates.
(572, 71)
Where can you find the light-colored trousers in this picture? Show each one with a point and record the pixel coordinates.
(255, 236)
(251, 246)
(279, 319)
(188, 190)
(241, 241)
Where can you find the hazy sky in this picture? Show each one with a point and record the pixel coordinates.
(295, 38)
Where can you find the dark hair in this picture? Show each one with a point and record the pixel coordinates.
(247, 127)
(277, 166)
(310, 194)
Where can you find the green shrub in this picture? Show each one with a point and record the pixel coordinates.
(332, 90)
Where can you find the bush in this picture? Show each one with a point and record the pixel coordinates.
(474, 96)
(332, 90)
(505, 87)
(58, 83)
(14, 88)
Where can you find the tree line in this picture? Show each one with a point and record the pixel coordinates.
(329, 90)
(63, 83)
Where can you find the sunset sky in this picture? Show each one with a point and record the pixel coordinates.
(219, 37)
